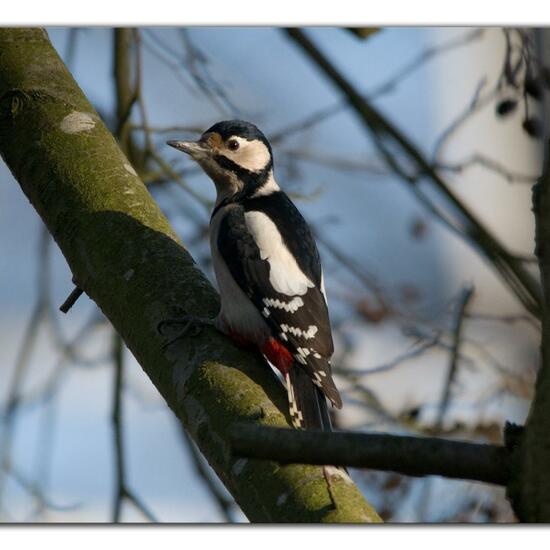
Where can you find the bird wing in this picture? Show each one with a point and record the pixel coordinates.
(276, 263)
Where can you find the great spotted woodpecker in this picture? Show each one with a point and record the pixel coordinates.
(267, 267)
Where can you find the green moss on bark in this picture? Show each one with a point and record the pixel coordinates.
(126, 257)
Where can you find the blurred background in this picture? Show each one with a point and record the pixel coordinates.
(430, 339)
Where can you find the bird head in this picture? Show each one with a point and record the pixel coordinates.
(234, 153)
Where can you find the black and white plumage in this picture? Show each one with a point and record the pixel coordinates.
(267, 267)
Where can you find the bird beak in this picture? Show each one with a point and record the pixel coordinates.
(195, 149)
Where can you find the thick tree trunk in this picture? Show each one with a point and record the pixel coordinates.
(126, 257)
(530, 489)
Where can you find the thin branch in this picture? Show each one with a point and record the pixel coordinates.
(194, 63)
(166, 129)
(150, 151)
(126, 92)
(477, 103)
(423, 57)
(408, 455)
(165, 166)
(341, 164)
(396, 362)
(33, 488)
(520, 281)
(23, 360)
(122, 491)
(464, 300)
(387, 86)
(368, 280)
(489, 164)
(197, 65)
(140, 506)
(70, 48)
(120, 482)
(71, 299)
(508, 319)
(225, 504)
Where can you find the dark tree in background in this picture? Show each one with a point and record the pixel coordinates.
(94, 195)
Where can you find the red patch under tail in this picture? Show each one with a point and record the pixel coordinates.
(277, 355)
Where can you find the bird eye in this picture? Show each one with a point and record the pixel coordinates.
(233, 144)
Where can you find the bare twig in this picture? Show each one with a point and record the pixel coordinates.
(509, 319)
(423, 57)
(166, 129)
(464, 299)
(71, 300)
(22, 362)
(475, 104)
(224, 503)
(368, 280)
(337, 163)
(35, 490)
(72, 42)
(150, 150)
(120, 482)
(387, 86)
(396, 362)
(197, 65)
(122, 490)
(520, 281)
(489, 164)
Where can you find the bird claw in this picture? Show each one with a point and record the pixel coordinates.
(189, 322)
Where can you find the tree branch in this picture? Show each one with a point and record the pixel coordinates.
(520, 281)
(412, 456)
(530, 488)
(224, 504)
(463, 301)
(127, 258)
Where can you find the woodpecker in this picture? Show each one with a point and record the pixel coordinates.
(267, 267)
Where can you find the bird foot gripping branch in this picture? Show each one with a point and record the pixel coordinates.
(192, 326)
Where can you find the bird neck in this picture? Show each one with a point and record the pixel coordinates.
(266, 188)
(231, 194)
(238, 186)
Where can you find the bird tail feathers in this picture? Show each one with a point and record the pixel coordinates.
(307, 404)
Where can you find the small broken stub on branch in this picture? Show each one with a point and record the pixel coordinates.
(71, 300)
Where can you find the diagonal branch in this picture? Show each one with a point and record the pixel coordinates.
(127, 258)
(519, 280)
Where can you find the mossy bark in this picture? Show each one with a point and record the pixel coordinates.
(127, 258)
(530, 488)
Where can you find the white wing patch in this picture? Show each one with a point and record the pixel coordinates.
(291, 306)
(285, 275)
(299, 333)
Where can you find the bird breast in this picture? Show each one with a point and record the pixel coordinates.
(237, 314)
